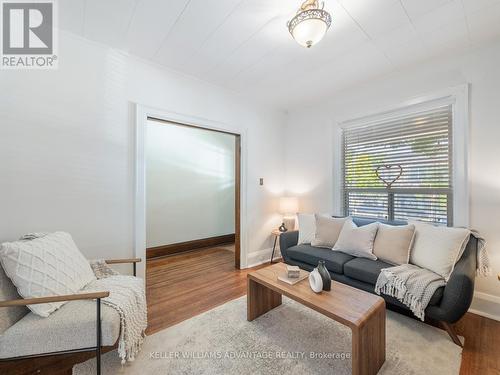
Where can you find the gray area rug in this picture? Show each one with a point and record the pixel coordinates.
(291, 339)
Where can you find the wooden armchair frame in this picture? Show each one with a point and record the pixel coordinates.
(16, 364)
(134, 262)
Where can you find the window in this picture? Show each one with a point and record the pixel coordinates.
(413, 154)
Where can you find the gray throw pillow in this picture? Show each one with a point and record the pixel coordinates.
(393, 243)
(327, 230)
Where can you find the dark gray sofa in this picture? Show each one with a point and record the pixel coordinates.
(447, 305)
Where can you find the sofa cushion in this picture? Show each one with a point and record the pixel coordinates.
(9, 315)
(368, 287)
(334, 260)
(363, 269)
(436, 297)
(72, 326)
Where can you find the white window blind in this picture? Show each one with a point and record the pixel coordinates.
(417, 146)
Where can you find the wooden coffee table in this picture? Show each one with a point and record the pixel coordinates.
(363, 312)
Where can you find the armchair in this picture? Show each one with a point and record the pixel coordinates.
(45, 345)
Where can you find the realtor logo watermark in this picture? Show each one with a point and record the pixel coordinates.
(28, 35)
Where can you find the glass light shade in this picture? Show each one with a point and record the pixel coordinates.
(309, 26)
(289, 205)
(309, 32)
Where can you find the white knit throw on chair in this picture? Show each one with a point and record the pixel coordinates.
(127, 297)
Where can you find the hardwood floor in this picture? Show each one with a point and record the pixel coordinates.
(182, 286)
(481, 353)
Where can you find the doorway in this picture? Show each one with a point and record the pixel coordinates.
(193, 188)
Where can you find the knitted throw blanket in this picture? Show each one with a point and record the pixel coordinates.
(411, 285)
(414, 286)
(127, 297)
(101, 269)
(483, 267)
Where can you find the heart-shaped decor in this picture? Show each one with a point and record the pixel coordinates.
(389, 174)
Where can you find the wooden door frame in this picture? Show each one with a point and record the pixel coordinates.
(237, 201)
(143, 114)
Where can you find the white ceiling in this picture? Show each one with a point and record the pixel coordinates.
(244, 45)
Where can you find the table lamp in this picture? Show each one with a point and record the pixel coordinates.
(289, 206)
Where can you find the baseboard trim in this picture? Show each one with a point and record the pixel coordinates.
(485, 314)
(180, 247)
(262, 256)
(486, 305)
(487, 297)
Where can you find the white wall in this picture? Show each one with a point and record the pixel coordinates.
(309, 152)
(190, 183)
(67, 146)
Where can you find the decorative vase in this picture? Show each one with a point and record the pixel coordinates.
(325, 275)
(315, 281)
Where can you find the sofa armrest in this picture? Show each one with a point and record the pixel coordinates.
(39, 300)
(288, 239)
(458, 293)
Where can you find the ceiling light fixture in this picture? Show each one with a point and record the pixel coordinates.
(310, 24)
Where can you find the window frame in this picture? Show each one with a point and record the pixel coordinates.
(458, 97)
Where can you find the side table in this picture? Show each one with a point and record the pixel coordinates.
(276, 233)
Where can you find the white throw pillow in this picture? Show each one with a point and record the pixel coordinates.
(307, 228)
(438, 248)
(47, 266)
(357, 241)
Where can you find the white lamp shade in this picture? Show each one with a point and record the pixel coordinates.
(309, 32)
(289, 205)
